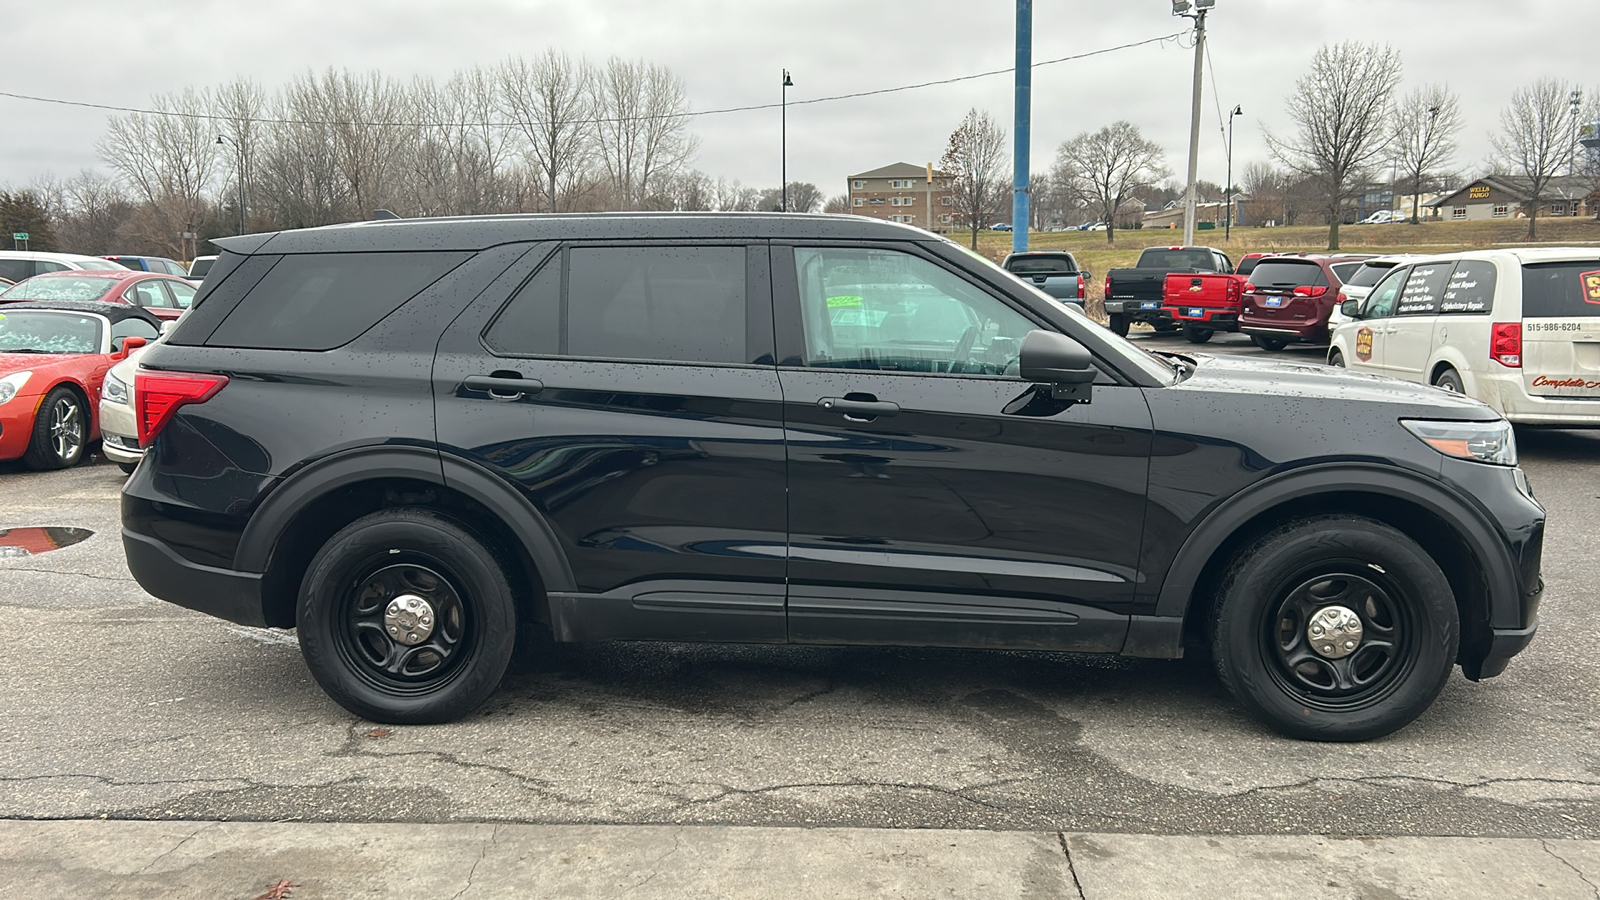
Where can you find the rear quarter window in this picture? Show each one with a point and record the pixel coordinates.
(1470, 288)
(1561, 290)
(318, 301)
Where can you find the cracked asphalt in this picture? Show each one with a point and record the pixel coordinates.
(120, 706)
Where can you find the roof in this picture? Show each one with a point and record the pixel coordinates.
(42, 254)
(473, 233)
(1561, 187)
(119, 274)
(116, 312)
(900, 170)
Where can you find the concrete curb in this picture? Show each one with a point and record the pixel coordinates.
(106, 859)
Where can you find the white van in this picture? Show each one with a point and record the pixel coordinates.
(15, 265)
(1517, 329)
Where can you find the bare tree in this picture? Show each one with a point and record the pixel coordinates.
(975, 160)
(1537, 138)
(1339, 109)
(837, 204)
(1588, 162)
(552, 100)
(94, 210)
(803, 197)
(168, 158)
(298, 177)
(1108, 167)
(643, 128)
(1424, 137)
(731, 196)
(239, 106)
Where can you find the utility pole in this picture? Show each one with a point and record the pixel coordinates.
(1181, 8)
(1023, 108)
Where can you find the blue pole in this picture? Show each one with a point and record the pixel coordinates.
(1019, 160)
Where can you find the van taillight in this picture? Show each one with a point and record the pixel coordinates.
(1505, 346)
(157, 396)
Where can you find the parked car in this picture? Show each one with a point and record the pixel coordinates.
(119, 425)
(1055, 272)
(1247, 263)
(794, 429)
(1289, 298)
(1357, 285)
(200, 266)
(1203, 303)
(1383, 217)
(152, 264)
(1517, 329)
(53, 357)
(17, 265)
(1000, 226)
(1138, 294)
(164, 296)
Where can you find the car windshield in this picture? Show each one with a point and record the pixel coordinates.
(1368, 274)
(60, 287)
(1040, 265)
(102, 265)
(48, 332)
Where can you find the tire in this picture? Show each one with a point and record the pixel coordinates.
(127, 468)
(1336, 359)
(1194, 334)
(60, 431)
(1266, 343)
(1264, 651)
(1450, 380)
(1163, 326)
(1119, 325)
(348, 614)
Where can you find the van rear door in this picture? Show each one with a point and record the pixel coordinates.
(1561, 329)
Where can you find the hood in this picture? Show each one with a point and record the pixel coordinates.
(1306, 381)
(21, 362)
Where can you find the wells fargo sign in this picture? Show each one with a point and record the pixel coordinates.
(1478, 192)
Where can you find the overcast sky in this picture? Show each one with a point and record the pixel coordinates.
(731, 53)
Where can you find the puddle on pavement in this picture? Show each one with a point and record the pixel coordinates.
(34, 540)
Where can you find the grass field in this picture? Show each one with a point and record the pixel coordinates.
(1094, 254)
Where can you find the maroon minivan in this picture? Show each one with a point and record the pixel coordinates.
(1289, 298)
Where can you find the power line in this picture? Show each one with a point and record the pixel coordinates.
(691, 114)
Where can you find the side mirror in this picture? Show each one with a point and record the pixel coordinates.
(1060, 362)
(1087, 275)
(127, 346)
(1350, 309)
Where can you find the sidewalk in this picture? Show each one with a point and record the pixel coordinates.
(218, 861)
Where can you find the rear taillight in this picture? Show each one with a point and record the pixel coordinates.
(1083, 287)
(1233, 291)
(1249, 288)
(1319, 290)
(1108, 286)
(1505, 345)
(157, 396)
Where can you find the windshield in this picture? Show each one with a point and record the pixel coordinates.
(60, 287)
(49, 332)
(1368, 274)
(102, 265)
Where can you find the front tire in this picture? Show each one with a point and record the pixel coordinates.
(1194, 334)
(1268, 343)
(1335, 628)
(1119, 325)
(60, 431)
(406, 617)
(127, 467)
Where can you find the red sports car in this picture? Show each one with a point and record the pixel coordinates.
(53, 360)
(164, 296)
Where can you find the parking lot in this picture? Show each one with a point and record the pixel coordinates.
(121, 706)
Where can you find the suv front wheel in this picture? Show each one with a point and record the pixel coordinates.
(1335, 628)
(405, 617)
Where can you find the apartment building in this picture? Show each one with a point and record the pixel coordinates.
(904, 192)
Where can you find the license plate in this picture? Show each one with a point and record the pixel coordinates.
(1196, 312)
(1149, 305)
(1274, 301)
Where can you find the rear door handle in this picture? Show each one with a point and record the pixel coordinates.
(504, 387)
(859, 409)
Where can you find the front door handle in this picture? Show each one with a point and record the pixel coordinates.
(504, 385)
(863, 410)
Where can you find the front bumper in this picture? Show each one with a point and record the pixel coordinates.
(119, 433)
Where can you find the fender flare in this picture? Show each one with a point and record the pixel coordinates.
(1469, 523)
(269, 521)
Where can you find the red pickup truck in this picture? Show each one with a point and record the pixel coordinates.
(1204, 303)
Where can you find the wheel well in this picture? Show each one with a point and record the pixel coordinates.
(1440, 369)
(1433, 534)
(320, 519)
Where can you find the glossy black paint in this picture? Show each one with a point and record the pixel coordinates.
(723, 502)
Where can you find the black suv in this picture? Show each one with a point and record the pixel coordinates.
(427, 443)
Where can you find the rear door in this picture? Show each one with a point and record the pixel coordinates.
(1561, 329)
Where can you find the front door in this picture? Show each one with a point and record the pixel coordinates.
(1410, 340)
(1377, 317)
(929, 501)
(628, 392)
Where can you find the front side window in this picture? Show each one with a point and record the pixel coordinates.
(1368, 274)
(149, 295)
(1380, 303)
(182, 293)
(885, 310)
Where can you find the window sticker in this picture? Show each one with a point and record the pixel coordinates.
(839, 302)
(1591, 286)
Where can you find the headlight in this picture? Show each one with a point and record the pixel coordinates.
(115, 390)
(1490, 442)
(11, 385)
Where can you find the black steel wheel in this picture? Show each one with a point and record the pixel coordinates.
(406, 617)
(1119, 325)
(1335, 628)
(60, 430)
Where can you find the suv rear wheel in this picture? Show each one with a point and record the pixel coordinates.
(1450, 380)
(1335, 628)
(406, 617)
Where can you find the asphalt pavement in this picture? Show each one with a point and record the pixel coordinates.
(120, 707)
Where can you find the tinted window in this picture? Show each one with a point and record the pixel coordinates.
(1247, 266)
(200, 267)
(885, 310)
(1561, 290)
(1343, 271)
(1424, 288)
(16, 269)
(42, 267)
(1287, 274)
(683, 304)
(173, 268)
(531, 323)
(1470, 288)
(1178, 259)
(318, 301)
(1380, 303)
(1368, 274)
(1041, 265)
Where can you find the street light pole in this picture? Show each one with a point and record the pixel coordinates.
(784, 139)
(1181, 8)
(220, 139)
(1227, 227)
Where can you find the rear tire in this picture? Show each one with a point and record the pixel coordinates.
(1450, 380)
(60, 431)
(1268, 343)
(1119, 325)
(1274, 642)
(406, 617)
(1196, 335)
(1336, 359)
